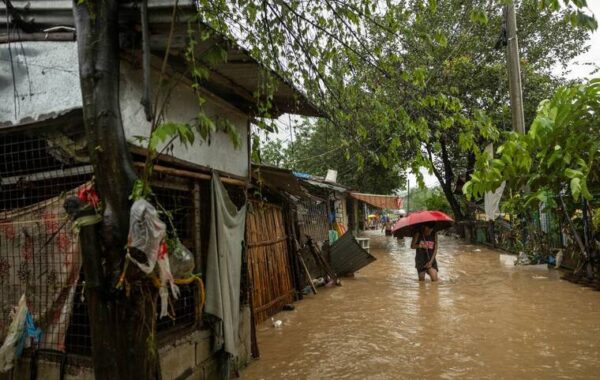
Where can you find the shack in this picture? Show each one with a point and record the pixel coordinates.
(339, 212)
(43, 156)
(381, 202)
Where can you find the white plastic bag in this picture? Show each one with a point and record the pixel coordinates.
(146, 232)
(15, 332)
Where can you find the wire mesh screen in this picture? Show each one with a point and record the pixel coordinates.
(175, 198)
(39, 252)
(312, 220)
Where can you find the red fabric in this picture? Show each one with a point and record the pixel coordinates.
(86, 193)
(162, 250)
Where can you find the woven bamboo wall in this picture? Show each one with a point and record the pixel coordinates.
(268, 263)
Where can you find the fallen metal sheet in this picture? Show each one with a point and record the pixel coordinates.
(347, 256)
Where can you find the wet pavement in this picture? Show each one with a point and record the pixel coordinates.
(485, 319)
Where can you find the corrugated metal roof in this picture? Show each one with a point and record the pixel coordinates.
(322, 183)
(381, 201)
(235, 80)
(347, 256)
(40, 81)
(279, 179)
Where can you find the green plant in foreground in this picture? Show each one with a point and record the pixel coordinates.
(559, 154)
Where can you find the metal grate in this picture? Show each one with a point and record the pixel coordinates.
(39, 252)
(312, 221)
(177, 200)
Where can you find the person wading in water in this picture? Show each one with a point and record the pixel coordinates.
(426, 244)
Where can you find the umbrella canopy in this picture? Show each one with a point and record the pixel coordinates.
(407, 226)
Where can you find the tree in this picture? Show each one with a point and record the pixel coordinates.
(429, 199)
(461, 98)
(317, 147)
(559, 155)
(130, 320)
(425, 81)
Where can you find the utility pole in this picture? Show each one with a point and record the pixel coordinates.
(408, 198)
(514, 69)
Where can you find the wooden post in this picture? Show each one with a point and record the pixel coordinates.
(197, 230)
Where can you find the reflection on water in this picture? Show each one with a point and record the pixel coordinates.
(485, 319)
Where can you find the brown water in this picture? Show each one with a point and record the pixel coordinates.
(485, 319)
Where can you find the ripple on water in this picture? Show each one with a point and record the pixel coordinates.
(483, 320)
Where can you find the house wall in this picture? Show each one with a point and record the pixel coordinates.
(46, 85)
(217, 153)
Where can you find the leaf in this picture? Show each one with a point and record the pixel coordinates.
(432, 5)
(440, 38)
(571, 173)
(479, 16)
(171, 131)
(205, 125)
(576, 187)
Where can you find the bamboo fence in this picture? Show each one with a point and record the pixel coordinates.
(268, 263)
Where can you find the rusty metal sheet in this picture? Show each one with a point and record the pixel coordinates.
(381, 201)
(279, 179)
(347, 256)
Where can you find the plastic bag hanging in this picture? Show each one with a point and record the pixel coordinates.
(166, 278)
(147, 234)
(21, 327)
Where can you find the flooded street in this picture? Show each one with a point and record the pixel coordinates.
(485, 319)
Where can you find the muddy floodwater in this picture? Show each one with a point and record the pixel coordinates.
(486, 319)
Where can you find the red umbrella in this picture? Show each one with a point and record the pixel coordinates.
(407, 226)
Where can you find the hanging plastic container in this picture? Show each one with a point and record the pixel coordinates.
(182, 261)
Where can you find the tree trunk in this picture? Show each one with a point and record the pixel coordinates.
(446, 179)
(447, 189)
(123, 325)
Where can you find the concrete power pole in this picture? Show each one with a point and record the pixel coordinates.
(514, 69)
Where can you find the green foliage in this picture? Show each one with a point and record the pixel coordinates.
(170, 131)
(559, 154)
(320, 146)
(412, 83)
(423, 198)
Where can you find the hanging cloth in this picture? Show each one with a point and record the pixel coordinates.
(224, 267)
(491, 199)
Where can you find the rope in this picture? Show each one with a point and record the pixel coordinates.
(186, 281)
(34, 221)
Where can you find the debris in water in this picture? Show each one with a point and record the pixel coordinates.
(288, 307)
(540, 277)
(508, 260)
(276, 322)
